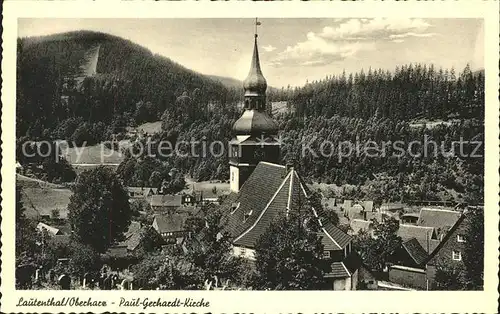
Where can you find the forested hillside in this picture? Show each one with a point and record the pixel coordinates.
(85, 86)
(410, 92)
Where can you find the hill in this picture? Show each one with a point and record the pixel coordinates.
(97, 77)
(229, 82)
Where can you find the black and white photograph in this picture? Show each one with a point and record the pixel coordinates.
(248, 154)
(260, 154)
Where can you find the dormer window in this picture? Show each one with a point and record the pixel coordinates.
(326, 254)
(247, 215)
(234, 207)
(460, 238)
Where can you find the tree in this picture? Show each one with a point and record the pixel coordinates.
(448, 277)
(211, 250)
(289, 255)
(99, 210)
(26, 235)
(167, 270)
(474, 249)
(376, 250)
(194, 224)
(83, 259)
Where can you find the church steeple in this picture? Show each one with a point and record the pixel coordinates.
(255, 132)
(255, 84)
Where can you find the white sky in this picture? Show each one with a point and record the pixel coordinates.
(291, 50)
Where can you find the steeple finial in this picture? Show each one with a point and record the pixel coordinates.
(257, 23)
(255, 84)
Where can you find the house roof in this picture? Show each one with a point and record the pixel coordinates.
(133, 228)
(368, 206)
(170, 222)
(413, 215)
(346, 267)
(347, 204)
(446, 238)
(268, 192)
(166, 200)
(422, 234)
(134, 239)
(338, 270)
(391, 206)
(359, 224)
(415, 250)
(52, 230)
(144, 191)
(438, 218)
(204, 190)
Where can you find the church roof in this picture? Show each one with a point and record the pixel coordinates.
(255, 122)
(269, 191)
(255, 84)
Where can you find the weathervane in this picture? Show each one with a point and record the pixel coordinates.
(257, 23)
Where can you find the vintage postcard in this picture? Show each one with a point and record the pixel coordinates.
(197, 157)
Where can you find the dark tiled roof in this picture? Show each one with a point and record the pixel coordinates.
(267, 193)
(254, 195)
(338, 271)
(338, 236)
(277, 206)
(166, 200)
(170, 222)
(134, 239)
(422, 234)
(438, 218)
(415, 250)
(446, 238)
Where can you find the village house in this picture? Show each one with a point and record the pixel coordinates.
(42, 227)
(450, 250)
(165, 203)
(141, 192)
(171, 227)
(409, 218)
(440, 219)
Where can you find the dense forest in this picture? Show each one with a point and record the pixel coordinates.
(64, 92)
(413, 91)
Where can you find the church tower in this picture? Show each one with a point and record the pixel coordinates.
(255, 132)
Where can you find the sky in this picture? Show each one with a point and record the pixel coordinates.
(291, 50)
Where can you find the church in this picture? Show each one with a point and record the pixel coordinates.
(261, 188)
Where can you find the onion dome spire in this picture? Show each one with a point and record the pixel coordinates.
(255, 120)
(255, 84)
